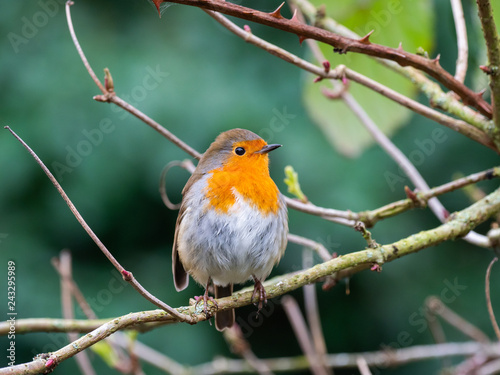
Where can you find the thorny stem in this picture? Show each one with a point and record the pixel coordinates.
(344, 45)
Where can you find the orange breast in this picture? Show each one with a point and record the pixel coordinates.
(249, 176)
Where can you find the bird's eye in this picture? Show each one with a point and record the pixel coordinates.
(239, 151)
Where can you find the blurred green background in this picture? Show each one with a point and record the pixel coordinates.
(197, 79)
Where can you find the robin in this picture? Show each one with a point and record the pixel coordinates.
(232, 224)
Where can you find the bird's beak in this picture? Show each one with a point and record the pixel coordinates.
(268, 148)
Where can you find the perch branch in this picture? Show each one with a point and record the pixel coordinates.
(344, 45)
(459, 225)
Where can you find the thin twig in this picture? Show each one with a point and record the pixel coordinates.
(312, 315)
(126, 274)
(488, 299)
(493, 50)
(363, 366)
(438, 308)
(318, 247)
(111, 97)
(79, 48)
(303, 335)
(152, 123)
(187, 165)
(463, 46)
(81, 358)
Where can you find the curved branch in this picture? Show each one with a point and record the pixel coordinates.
(344, 45)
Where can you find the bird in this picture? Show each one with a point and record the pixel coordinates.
(232, 224)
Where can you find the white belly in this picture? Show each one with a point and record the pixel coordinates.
(231, 247)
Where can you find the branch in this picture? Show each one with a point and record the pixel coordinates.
(459, 225)
(437, 307)
(463, 47)
(344, 45)
(303, 335)
(64, 266)
(127, 276)
(493, 49)
(488, 299)
(109, 95)
(432, 90)
(418, 200)
(478, 132)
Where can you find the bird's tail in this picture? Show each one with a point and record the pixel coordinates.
(224, 319)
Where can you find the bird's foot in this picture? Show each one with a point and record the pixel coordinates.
(205, 298)
(258, 290)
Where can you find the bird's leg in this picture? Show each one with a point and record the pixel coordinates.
(205, 299)
(258, 288)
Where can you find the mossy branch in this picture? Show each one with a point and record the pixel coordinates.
(459, 225)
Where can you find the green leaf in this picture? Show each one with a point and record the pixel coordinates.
(106, 352)
(410, 23)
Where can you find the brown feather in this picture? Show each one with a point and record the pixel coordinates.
(224, 319)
